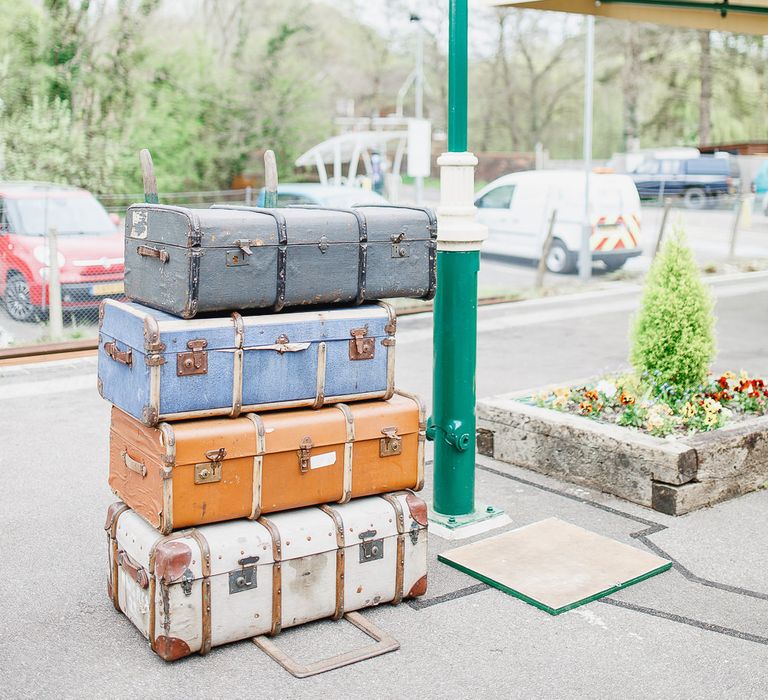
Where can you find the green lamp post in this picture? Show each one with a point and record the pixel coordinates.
(452, 426)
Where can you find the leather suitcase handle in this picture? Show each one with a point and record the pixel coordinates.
(149, 252)
(134, 464)
(123, 356)
(137, 572)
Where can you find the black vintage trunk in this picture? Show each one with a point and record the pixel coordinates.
(190, 261)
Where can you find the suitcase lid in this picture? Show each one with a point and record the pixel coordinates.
(367, 518)
(209, 228)
(398, 224)
(135, 325)
(404, 413)
(311, 225)
(303, 532)
(284, 431)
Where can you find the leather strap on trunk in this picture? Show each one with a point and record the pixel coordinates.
(277, 576)
(340, 554)
(392, 499)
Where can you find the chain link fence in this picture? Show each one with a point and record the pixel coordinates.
(33, 312)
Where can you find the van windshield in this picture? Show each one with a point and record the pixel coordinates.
(69, 215)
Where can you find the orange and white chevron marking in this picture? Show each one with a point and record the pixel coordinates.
(617, 234)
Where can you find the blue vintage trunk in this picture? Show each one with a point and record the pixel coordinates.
(156, 367)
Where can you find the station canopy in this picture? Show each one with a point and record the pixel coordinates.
(740, 17)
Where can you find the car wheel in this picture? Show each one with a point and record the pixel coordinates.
(613, 264)
(695, 198)
(559, 259)
(16, 299)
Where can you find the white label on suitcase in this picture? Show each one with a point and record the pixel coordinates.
(324, 460)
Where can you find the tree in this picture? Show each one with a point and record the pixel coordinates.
(673, 337)
(705, 93)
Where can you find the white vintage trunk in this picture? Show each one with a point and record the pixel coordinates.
(220, 583)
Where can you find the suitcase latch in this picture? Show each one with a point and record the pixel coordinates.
(370, 549)
(210, 472)
(360, 347)
(305, 453)
(391, 443)
(194, 362)
(399, 249)
(243, 579)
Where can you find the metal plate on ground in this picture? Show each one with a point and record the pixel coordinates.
(554, 565)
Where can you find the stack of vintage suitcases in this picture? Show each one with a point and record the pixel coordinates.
(262, 458)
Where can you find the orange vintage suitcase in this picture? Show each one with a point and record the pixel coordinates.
(194, 472)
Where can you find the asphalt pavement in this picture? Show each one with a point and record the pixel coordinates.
(698, 631)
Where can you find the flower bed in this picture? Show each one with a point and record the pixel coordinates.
(659, 408)
(648, 451)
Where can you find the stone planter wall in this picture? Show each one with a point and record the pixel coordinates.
(671, 476)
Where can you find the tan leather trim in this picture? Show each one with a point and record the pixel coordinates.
(420, 462)
(277, 607)
(152, 611)
(169, 442)
(340, 554)
(348, 452)
(392, 499)
(237, 367)
(154, 389)
(258, 465)
(206, 589)
(113, 517)
(237, 383)
(321, 368)
(400, 572)
(114, 512)
(113, 577)
(166, 517)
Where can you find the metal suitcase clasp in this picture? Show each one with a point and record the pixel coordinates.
(210, 472)
(360, 347)
(194, 362)
(305, 454)
(391, 444)
(370, 549)
(243, 579)
(399, 249)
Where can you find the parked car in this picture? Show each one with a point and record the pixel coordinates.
(309, 193)
(90, 248)
(517, 210)
(696, 180)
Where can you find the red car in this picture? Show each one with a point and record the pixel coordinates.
(90, 248)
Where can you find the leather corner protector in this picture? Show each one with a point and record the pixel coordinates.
(172, 559)
(171, 648)
(418, 588)
(417, 507)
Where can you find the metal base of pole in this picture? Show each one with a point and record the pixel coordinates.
(459, 527)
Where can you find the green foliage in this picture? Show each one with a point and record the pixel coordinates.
(673, 339)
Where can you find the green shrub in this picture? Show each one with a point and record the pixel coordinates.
(673, 337)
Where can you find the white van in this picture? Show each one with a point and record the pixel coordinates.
(517, 208)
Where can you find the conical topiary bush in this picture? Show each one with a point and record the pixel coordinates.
(673, 336)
